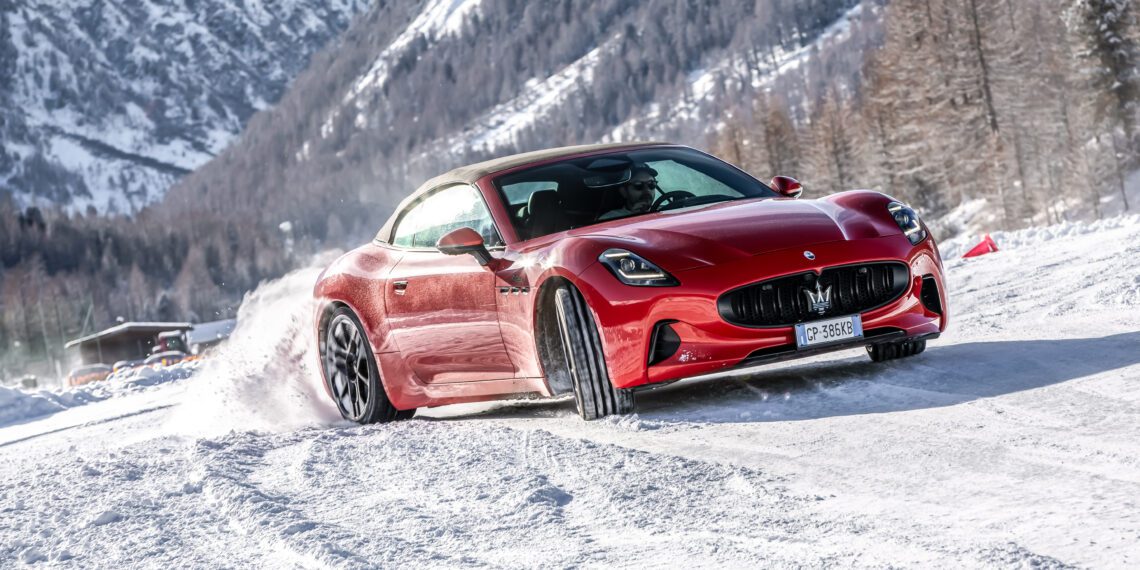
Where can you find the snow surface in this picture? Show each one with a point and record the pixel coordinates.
(1013, 441)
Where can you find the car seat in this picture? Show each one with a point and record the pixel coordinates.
(544, 214)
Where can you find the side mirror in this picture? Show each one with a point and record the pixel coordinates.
(464, 240)
(787, 186)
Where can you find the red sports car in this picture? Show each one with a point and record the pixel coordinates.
(606, 269)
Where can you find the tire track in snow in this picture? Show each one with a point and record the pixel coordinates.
(275, 523)
(505, 496)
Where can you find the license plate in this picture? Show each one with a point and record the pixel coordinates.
(829, 331)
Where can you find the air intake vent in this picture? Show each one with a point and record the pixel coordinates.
(792, 299)
(930, 298)
(664, 342)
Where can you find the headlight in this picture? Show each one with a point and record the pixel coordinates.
(908, 222)
(632, 269)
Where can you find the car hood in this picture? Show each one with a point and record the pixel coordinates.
(701, 236)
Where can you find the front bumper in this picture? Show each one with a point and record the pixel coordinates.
(627, 315)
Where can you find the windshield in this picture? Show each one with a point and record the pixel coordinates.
(584, 191)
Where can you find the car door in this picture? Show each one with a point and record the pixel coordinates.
(442, 308)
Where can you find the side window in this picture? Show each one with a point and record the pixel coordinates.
(519, 194)
(406, 227)
(441, 212)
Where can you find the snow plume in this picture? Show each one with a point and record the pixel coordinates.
(265, 377)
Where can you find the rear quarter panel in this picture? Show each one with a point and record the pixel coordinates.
(357, 279)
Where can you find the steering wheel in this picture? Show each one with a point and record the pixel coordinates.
(670, 197)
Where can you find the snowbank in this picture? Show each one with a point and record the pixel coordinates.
(953, 248)
(17, 405)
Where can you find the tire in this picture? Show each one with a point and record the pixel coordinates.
(892, 350)
(352, 374)
(594, 394)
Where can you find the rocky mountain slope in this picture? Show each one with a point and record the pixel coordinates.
(107, 103)
(410, 91)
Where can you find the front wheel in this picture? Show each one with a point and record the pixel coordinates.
(352, 373)
(594, 394)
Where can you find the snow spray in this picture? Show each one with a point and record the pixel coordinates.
(265, 377)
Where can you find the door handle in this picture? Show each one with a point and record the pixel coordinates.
(400, 286)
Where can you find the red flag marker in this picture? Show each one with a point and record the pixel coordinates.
(986, 246)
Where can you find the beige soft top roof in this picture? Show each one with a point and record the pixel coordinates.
(471, 173)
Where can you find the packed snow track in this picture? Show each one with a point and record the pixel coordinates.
(1013, 441)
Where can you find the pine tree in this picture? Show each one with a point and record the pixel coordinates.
(1104, 31)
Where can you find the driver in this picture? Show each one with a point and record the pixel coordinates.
(637, 193)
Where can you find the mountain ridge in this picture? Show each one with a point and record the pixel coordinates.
(376, 131)
(107, 103)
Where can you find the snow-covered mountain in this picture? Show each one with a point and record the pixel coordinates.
(414, 89)
(106, 103)
(696, 109)
(684, 109)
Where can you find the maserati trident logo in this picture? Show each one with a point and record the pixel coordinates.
(809, 255)
(820, 299)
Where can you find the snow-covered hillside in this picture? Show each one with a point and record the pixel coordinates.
(107, 103)
(702, 109)
(1013, 441)
(695, 114)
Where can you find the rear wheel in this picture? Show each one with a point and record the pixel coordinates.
(892, 350)
(352, 374)
(594, 394)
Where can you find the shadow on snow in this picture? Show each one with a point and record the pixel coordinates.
(942, 376)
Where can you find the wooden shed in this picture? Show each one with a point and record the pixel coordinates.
(126, 341)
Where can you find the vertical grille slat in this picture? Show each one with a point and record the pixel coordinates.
(782, 302)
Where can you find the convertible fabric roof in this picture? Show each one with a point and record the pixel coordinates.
(471, 173)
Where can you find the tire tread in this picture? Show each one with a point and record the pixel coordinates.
(594, 394)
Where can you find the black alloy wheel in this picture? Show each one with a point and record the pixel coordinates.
(352, 374)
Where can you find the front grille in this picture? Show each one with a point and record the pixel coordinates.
(792, 299)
